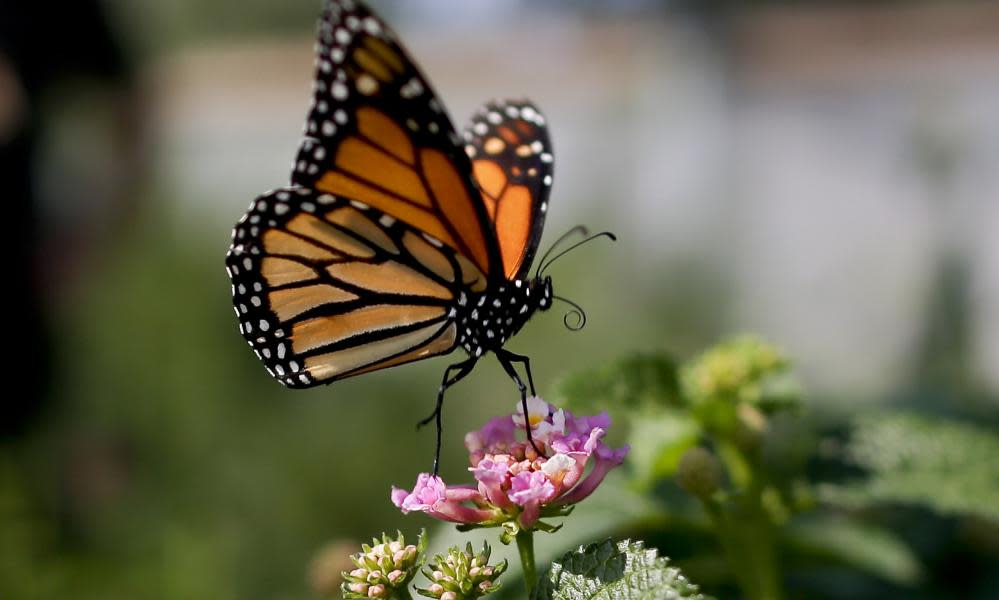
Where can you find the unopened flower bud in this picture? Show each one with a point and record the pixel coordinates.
(699, 472)
(384, 567)
(462, 574)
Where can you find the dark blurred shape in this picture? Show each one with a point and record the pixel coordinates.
(95, 476)
(42, 45)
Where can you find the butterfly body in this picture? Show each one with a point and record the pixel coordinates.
(487, 320)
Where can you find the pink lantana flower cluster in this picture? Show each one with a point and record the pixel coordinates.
(516, 485)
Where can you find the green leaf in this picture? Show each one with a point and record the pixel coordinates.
(947, 466)
(872, 549)
(657, 443)
(613, 571)
(636, 381)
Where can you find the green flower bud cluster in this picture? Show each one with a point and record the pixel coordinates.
(462, 574)
(733, 370)
(384, 567)
(734, 388)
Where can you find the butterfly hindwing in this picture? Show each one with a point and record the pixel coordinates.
(512, 160)
(325, 288)
(378, 134)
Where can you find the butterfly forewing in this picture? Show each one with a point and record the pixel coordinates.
(326, 288)
(512, 160)
(377, 133)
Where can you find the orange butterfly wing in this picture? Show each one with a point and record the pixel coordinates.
(325, 288)
(377, 134)
(512, 160)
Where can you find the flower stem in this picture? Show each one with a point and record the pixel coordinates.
(745, 529)
(403, 594)
(525, 545)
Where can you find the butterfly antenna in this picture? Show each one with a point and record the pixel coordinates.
(541, 269)
(577, 314)
(580, 229)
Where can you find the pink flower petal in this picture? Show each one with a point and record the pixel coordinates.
(532, 486)
(508, 474)
(595, 477)
(398, 496)
(432, 496)
(499, 432)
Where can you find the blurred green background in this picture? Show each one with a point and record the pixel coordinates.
(823, 173)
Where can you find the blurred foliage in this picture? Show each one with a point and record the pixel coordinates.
(727, 427)
(171, 466)
(743, 370)
(950, 467)
(29, 565)
(838, 540)
(643, 382)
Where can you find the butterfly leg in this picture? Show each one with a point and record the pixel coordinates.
(520, 358)
(506, 360)
(463, 369)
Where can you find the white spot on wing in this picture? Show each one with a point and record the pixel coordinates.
(339, 92)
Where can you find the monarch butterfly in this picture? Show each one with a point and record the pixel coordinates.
(398, 239)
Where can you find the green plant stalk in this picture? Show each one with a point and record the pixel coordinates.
(525, 546)
(403, 594)
(740, 470)
(749, 550)
(745, 529)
